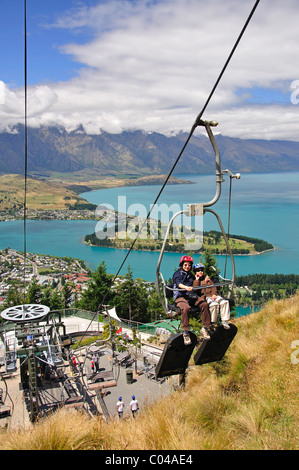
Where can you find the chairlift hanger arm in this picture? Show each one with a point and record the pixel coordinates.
(229, 250)
(162, 253)
(193, 208)
(201, 209)
(198, 209)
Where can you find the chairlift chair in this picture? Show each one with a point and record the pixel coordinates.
(195, 210)
(176, 354)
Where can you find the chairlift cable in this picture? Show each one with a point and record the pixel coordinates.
(227, 62)
(196, 123)
(25, 141)
(198, 119)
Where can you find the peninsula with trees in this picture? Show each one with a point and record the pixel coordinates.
(212, 241)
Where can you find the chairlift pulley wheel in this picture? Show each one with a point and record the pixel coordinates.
(25, 312)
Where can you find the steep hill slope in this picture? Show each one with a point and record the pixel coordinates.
(247, 401)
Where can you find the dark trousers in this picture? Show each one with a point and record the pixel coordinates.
(185, 309)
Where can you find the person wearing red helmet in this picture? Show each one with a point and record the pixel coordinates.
(183, 278)
(186, 258)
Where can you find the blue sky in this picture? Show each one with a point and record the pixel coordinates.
(45, 61)
(118, 65)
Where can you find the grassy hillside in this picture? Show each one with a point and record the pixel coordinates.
(247, 401)
(92, 181)
(40, 194)
(59, 192)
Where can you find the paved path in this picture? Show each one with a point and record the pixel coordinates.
(146, 390)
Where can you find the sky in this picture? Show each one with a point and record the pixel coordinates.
(115, 65)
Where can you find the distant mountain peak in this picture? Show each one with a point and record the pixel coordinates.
(136, 152)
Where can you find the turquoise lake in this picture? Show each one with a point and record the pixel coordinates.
(264, 206)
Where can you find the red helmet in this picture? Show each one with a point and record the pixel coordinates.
(186, 258)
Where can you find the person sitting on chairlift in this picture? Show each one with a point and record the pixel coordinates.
(215, 302)
(183, 278)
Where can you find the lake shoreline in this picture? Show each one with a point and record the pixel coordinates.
(256, 253)
(261, 200)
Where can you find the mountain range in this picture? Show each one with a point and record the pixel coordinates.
(53, 150)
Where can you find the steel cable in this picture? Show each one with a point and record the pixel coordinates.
(196, 123)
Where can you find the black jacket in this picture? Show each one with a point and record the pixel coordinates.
(182, 277)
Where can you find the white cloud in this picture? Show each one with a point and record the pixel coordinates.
(151, 66)
(12, 105)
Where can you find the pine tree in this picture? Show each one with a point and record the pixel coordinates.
(66, 295)
(98, 290)
(131, 302)
(34, 294)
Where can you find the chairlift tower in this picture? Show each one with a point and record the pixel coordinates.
(31, 324)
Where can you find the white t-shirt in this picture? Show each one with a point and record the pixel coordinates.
(120, 406)
(134, 405)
